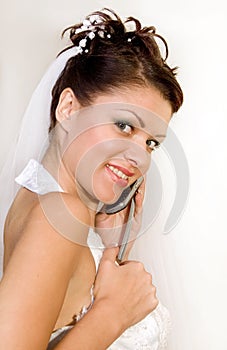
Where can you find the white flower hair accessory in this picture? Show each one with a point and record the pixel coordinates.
(90, 24)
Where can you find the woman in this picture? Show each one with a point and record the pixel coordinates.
(113, 96)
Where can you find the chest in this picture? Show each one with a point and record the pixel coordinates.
(79, 292)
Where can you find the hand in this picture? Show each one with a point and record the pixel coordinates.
(112, 227)
(125, 289)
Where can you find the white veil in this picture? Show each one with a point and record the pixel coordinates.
(157, 248)
(151, 247)
(32, 136)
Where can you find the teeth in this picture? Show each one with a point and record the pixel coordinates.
(117, 172)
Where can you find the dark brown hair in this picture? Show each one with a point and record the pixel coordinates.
(116, 57)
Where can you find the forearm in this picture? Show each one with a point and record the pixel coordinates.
(96, 330)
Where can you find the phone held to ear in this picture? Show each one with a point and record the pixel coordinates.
(124, 200)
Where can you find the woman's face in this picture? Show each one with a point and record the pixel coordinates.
(109, 144)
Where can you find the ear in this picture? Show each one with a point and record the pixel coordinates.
(67, 105)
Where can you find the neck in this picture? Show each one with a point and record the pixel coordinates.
(53, 162)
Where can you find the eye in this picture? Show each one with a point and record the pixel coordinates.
(152, 144)
(125, 127)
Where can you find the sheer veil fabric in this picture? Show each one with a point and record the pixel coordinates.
(32, 137)
(152, 248)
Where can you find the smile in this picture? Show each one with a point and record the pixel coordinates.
(117, 172)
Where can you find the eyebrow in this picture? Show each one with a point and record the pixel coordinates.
(160, 136)
(136, 115)
(140, 120)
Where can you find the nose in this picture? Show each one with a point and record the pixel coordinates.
(137, 154)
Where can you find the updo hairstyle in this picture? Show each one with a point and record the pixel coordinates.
(115, 56)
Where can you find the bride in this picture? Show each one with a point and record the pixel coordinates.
(112, 97)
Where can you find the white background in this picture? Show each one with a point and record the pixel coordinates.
(196, 34)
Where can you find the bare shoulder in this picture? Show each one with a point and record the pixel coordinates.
(63, 201)
(36, 216)
(42, 264)
(63, 214)
(57, 225)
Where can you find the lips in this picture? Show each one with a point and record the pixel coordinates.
(117, 175)
(123, 170)
(117, 172)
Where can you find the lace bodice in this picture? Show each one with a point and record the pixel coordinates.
(150, 333)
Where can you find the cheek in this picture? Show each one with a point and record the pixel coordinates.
(96, 155)
(80, 148)
(90, 171)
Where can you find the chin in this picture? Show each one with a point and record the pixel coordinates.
(107, 195)
(105, 189)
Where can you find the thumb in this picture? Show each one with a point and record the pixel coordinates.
(110, 254)
(101, 216)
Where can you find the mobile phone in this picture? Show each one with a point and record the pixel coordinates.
(124, 199)
(122, 202)
(126, 236)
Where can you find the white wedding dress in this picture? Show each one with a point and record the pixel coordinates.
(150, 333)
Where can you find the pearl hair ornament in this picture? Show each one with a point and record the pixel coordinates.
(89, 25)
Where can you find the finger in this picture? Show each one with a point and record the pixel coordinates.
(101, 216)
(110, 254)
(141, 189)
(139, 197)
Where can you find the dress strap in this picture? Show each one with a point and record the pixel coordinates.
(37, 179)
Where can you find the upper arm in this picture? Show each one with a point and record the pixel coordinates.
(36, 278)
